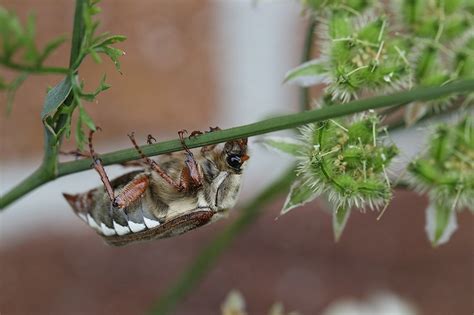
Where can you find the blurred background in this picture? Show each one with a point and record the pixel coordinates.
(195, 64)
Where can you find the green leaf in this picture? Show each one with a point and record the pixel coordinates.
(50, 47)
(80, 136)
(440, 223)
(300, 194)
(86, 119)
(309, 73)
(102, 40)
(95, 56)
(55, 97)
(286, 145)
(113, 53)
(67, 112)
(78, 92)
(12, 88)
(339, 220)
(31, 52)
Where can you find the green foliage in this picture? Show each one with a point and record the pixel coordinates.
(19, 52)
(349, 6)
(446, 173)
(91, 44)
(364, 52)
(358, 56)
(346, 162)
(367, 49)
(282, 144)
(439, 35)
(18, 42)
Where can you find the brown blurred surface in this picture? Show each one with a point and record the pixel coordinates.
(167, 71)
(168, 84)
(293, 260)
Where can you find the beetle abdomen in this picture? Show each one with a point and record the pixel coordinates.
(95, 208)
(173, 227)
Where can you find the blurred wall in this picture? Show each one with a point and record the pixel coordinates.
(168, 75)
(191, 64)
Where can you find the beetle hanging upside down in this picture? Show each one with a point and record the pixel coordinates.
(172, 195)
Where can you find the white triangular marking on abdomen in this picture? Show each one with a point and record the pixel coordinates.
(106, 230)
(120, 229)
(151, 223)
(136, 227)
(92, 223)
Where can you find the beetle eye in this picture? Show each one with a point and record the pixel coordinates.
(234, 161)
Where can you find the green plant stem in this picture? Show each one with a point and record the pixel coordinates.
(208, 256)
(48, 170)
(258, 128)
(271, 125)
(77, 34)
(307, 51)
(34, 69)
(33, 181)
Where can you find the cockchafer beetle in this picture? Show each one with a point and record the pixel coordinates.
(169, 196)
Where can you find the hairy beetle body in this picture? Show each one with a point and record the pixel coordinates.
(161, 209)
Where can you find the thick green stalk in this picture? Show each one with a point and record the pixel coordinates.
(258, 128)
(33, 181)
(51, 143)
(77, 34)
(207, 257)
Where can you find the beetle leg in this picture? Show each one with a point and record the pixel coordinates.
(195, 133)
(211, 146)
(190, 175)
(97, 164)
(154, 165)
(76, 153)
(131, 192)
(150, 139)
(211, 129)
(85, 154)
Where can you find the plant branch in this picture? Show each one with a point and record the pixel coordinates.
(208, 256)
(48, 170)
(34, 69)
(307, 51)
(258, 128)
(272, 124)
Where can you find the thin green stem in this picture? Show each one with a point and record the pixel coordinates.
(272, 124)
(258, 128)
(33, 69)
(307, 51)
(208, 256)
